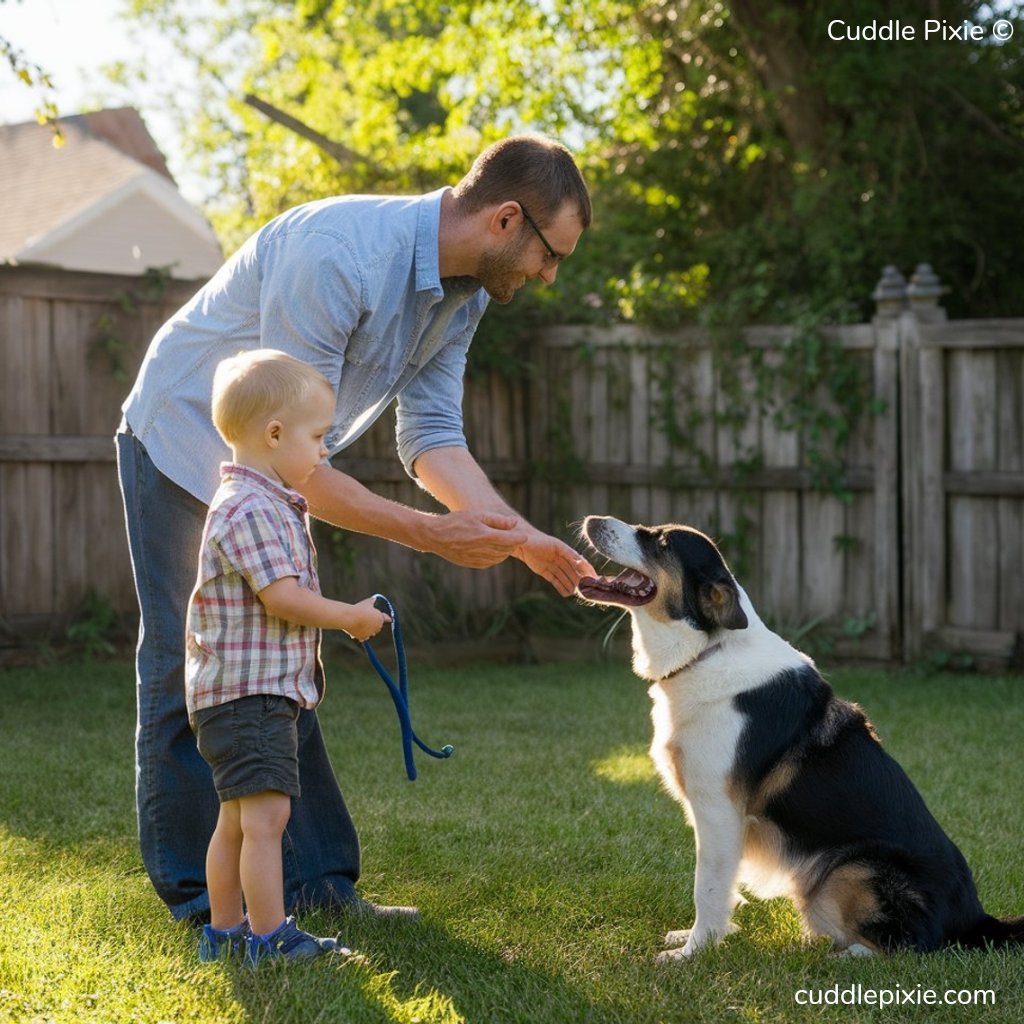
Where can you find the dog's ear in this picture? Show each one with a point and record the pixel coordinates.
(721, 602)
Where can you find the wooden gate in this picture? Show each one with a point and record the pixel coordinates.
(962, 386)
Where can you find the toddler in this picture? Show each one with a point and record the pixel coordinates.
(252, 645)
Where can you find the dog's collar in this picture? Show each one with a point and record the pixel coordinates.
(706, 653)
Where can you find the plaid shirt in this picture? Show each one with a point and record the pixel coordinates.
(256, 532)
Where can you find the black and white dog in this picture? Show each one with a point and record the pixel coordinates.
(787, 788)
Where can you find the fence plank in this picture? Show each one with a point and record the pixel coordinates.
(930, 566)
(885, 527)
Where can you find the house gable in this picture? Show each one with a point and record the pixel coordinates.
(144, 223)
(104, 202)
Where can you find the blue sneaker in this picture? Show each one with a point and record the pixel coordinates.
(288, 942)
(223, 943)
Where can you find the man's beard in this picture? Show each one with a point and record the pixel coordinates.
(499, 273)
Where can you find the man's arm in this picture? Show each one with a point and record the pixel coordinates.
(457, 480)
(477, 538)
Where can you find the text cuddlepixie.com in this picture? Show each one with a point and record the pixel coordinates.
(917, 995)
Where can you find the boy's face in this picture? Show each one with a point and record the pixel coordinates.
(299, 437)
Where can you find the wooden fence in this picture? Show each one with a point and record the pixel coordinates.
(923, 551)
(962, 386)
(646, 416)
(61, 389)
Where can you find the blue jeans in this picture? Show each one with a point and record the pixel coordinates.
(176, 802)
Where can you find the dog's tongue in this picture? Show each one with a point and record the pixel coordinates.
(629, 588)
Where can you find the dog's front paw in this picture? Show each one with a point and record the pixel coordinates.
(671, 956)
(680, 937)
(854, 949)
(687, 941)
(691, 941)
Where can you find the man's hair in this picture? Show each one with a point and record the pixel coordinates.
(529, 169)
(256, 384)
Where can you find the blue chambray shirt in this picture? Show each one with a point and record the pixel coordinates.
(349, 284)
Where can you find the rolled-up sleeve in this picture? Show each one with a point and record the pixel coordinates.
(429, 412)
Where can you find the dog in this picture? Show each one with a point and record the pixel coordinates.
(787, 787)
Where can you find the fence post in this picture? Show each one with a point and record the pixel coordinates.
(890, 293)
(923, 429)
(886, 458)
(924, 292)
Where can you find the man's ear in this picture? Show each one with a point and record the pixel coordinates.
(504, 217)
(272, 433)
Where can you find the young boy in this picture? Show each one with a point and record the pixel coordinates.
(252, 650)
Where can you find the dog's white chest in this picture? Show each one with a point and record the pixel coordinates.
(694, 745)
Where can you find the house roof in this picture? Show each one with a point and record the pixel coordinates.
(125, 130)
(49, 194)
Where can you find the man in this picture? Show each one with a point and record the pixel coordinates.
(382, 295)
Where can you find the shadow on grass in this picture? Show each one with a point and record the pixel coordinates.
(415, 972)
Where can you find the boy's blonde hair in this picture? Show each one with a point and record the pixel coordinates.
(256, 384)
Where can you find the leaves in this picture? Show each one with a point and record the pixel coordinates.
(34, 77)
(730, 136)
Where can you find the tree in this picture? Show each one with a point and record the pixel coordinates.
(746, 165)
(852, 154)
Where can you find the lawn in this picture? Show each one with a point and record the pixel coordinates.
(546, 860)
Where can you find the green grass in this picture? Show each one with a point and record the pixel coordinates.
(546, 859)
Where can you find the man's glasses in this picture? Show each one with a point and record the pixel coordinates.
(556, 257)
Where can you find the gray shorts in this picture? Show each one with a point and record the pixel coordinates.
(251, 744)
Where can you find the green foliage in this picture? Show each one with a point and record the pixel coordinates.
(660, 299)
(34, 76)
(152, 287)
(720, 179)
(96, 628)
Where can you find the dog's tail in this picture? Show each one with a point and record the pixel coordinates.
(990, 932)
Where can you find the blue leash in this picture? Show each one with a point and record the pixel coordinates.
(400, 693)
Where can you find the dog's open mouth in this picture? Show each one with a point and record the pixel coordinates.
(630, 588)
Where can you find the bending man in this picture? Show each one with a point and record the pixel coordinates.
(382, 295)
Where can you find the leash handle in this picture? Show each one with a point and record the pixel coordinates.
(400, 692)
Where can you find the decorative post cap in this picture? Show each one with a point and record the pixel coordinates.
(925, 287)
(890, 293)
(924, 292)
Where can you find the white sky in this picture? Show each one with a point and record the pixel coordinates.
(72, 40)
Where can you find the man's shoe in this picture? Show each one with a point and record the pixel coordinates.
(288, 942)
(223, 943)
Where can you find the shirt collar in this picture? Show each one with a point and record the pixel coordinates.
(254, 479)
(428, 232)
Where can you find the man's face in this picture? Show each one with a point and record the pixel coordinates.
(502, 272)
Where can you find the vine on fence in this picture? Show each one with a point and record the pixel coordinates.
(152, 288)
(812, 388)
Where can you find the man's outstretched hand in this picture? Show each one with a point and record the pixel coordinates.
(478, 540)
(555, 561)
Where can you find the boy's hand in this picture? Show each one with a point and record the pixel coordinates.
(365, 620)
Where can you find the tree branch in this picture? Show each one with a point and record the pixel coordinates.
(982, 118)
(337, 150)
